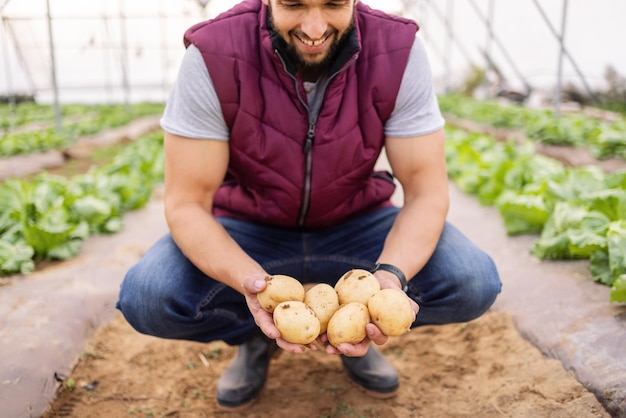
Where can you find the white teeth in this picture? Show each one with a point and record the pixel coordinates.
(313, 43)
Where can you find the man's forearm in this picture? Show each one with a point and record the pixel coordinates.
(209, 247)
(415, 233)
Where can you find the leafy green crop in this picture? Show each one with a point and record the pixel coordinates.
(603, 138)
(78, 120)
(579, 213)
(49, 216)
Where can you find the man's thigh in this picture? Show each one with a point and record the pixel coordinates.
(315, 256)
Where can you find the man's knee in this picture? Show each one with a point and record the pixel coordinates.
(479, 290)
(459, 293)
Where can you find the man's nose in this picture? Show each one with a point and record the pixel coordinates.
(314, 24)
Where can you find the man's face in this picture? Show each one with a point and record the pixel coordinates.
(311, 28)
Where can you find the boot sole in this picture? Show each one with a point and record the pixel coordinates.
(238, 408)
(378, 395)
(374, 394)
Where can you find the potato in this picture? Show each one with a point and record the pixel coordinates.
(347, 325)
(280, 288)
(323, 300)
(390, 310)
(296, 322)
(356, 286)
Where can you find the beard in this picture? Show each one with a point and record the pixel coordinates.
(298, 58)
(311, 66)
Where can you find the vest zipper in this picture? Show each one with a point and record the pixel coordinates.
(305, 199)
(308, 147)
(306, 191)
(308, 143)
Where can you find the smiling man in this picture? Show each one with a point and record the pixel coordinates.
(312, 31)
(272, 132)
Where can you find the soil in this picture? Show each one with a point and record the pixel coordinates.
(480, 369)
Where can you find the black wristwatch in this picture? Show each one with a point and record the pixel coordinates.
(395, 270)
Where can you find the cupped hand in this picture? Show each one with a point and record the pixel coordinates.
(264, 320)
(386, 283)
(373, 335)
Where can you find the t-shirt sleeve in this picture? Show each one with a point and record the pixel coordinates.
(193, 109)
(417, 110)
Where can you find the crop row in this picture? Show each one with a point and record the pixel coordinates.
(27, 128)
(48, 217)
(604, 138)
(579, 213)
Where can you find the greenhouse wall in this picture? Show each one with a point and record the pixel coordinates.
(112, 51)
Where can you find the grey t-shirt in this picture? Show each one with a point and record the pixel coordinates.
(193, 109)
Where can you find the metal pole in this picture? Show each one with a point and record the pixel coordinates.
(425, 36)
(4, 4)
(448, 48)
(7, 67)
(107, 54)
(164, 49)
(124, 56)
(503, 50)
(451, 38)
(448, 25)
(566, 52)
(55, 87)
(21, 61)
(489, 42)
(489, 24)
(559, 76)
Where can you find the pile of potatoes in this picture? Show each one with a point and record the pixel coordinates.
(341, 311)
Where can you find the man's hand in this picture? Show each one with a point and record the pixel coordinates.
(388, 280)
(374, 334)
(253, 285)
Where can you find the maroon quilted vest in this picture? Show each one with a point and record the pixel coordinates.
(283, 169)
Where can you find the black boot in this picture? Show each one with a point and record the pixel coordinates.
(244, 379)
(373, 373)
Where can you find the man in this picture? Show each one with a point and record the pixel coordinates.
(280, 112)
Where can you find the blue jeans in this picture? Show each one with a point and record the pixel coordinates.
(165, 295)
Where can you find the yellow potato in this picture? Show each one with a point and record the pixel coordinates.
(356, 285)
(296, 322)
(390, 310)
(347, 325)
(323, 300)
(280, 288)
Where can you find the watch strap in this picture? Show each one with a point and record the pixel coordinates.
(396, 271)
